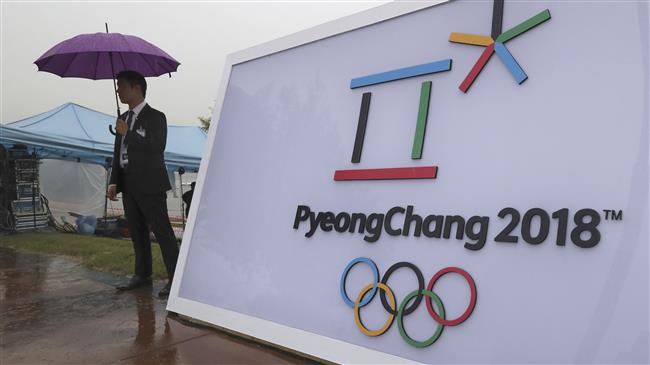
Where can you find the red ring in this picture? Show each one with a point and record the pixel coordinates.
(472, 301)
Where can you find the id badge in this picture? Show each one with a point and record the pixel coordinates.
(125, 158)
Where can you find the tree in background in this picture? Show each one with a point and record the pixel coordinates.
(205, 122)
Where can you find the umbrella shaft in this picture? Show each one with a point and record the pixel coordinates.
(110, 56)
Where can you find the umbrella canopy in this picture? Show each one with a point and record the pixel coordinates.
(89, 56)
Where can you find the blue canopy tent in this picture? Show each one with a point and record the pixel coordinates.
(74, 132)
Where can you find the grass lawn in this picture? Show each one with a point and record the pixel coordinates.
(97, 253)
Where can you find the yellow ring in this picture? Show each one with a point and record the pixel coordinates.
(391, 317)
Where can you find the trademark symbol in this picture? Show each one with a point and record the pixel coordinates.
(613, 215)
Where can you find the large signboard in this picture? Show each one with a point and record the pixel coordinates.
(458, 183)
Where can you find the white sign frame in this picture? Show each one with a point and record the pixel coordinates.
(290, 338)
(283, 336)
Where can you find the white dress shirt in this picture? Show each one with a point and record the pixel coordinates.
(124, 149)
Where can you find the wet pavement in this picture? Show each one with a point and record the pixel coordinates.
(54, 311)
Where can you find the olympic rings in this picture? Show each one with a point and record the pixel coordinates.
(368, 293)
(400, 314)
(375, 273)
(472, 300)
(417, 272)
(357, 314)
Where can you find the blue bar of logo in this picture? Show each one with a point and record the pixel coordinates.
(510, 62)
(402, 73)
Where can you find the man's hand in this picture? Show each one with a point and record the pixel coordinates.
(112, 192)
(121, 127)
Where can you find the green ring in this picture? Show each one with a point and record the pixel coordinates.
(400, 324)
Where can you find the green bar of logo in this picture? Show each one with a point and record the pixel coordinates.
(418, 141)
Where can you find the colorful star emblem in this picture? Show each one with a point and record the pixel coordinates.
(495, 43)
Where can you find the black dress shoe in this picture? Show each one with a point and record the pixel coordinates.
(135, 282)
(164, 292)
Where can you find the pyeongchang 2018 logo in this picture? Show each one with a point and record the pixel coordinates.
(405, 307)
(532, 226)
(493, 44)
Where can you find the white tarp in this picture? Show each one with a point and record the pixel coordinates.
(81, 187)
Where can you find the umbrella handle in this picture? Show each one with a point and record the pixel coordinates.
(110, 129)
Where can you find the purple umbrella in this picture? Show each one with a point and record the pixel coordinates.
(101, 56)
(89, 56)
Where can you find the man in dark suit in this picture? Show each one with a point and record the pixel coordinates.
(139, 172)
(187, 198)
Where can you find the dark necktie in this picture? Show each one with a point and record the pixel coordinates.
(129, 118)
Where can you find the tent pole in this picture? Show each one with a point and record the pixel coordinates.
(181, 171)
(108, 176)
(35, 170)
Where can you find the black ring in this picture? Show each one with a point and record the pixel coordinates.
(418, 299)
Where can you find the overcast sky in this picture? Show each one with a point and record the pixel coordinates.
(199, 35)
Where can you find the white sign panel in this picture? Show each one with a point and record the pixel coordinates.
(479, 170)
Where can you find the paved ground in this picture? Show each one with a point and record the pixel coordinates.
(54, 311)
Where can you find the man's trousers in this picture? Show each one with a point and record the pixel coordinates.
(145, 213)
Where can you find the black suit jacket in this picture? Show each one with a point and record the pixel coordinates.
(147, 172)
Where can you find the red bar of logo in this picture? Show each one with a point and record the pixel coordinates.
(426, 172)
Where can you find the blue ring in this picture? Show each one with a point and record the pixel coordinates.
(371, 294)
